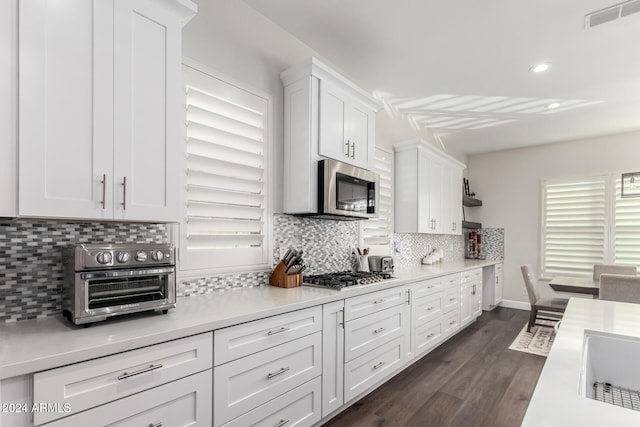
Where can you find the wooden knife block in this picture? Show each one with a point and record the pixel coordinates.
(280, 278)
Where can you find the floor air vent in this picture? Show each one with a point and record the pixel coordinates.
(612, 13)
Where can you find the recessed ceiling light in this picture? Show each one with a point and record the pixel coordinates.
(540, 68)
(553, 105)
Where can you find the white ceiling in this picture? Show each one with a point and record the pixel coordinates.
(460, 68)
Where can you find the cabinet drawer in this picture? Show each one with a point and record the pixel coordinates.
(451, 299)
(182, 403)
(427, 308)
(451, 322)
(376, 301)
(248, 338)
(247, 383)
(370, 368)
(472, 275)
(299, 407)
(452, 280)
(427, 336)
(427, 287)
(95, 382)
(368, 332)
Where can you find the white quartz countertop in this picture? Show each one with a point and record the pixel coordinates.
(555, 401)
(36, 345)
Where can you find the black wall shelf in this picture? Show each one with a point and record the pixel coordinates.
(471, 225)
(471, 202)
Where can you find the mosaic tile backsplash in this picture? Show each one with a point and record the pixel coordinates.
(31, 260)
(31, 251)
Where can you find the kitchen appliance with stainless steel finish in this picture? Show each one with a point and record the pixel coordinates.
(381, 264)
(346, 192)
(344, 279)
(102, 280)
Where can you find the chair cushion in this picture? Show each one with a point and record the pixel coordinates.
(552, 304)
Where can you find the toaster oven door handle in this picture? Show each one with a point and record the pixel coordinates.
(125, 273)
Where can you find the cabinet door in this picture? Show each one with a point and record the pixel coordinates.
(466, 303)
(8, 106)
(148, 142)
(452, 199)
(65, 108)
(333, 142)
(332, 356)
(361, 135)
(498, 284)
(435, 173)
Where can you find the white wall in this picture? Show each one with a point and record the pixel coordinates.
(508, 183)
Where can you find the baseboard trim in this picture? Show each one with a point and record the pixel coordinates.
(519, 305)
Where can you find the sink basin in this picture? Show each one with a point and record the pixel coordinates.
(611, 360)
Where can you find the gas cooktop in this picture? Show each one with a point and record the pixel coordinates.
(344, 279)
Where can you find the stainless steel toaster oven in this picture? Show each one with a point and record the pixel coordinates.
(100, 281)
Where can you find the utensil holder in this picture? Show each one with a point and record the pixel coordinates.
(280, 278)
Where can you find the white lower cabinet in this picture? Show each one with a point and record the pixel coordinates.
(367, 370)
(184, 402)
(244, 384)
(427, 336)
(492, 287)
(298, 407)
(451, 322)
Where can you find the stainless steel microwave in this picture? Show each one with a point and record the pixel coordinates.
(346, 192)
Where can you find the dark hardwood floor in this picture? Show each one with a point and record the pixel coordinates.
(472, 380)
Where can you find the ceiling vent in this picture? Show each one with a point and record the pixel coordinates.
(612, 13)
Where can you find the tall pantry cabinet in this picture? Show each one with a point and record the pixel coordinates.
(99, 108)
(428, 190)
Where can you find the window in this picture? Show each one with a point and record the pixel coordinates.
(584, 222)
(377, 234)
(225, 225)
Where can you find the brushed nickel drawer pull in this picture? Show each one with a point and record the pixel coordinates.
(431, 307)
(377, 331)
(378, 365)
(149, 368)
(282, 422)
(279, 372)
(156, 425)
(452, 299)
(431, 335)
(379, 301)
(453, 322)
(277, 331)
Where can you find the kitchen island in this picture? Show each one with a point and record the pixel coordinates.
(556, 400)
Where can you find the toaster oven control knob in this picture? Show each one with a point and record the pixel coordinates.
(104, 257)
(157, 255)
(141, 256)
(123, 257)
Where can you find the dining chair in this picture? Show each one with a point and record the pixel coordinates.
(598, 269)
(620, 287)
(552, 308)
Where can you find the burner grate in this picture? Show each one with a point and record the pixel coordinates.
(344, 279)
(618, 396)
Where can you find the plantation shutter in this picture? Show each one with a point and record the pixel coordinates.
(225, 216)
(573, 226)
(377, 234)
(627, 229)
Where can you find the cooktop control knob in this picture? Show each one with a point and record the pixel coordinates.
(104, 257)
(157, 255)
(141, 256)
(123, 257)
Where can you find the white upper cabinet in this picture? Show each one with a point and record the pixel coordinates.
(100, 94)
(325, 116)
(428, 190)
(347, 128)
